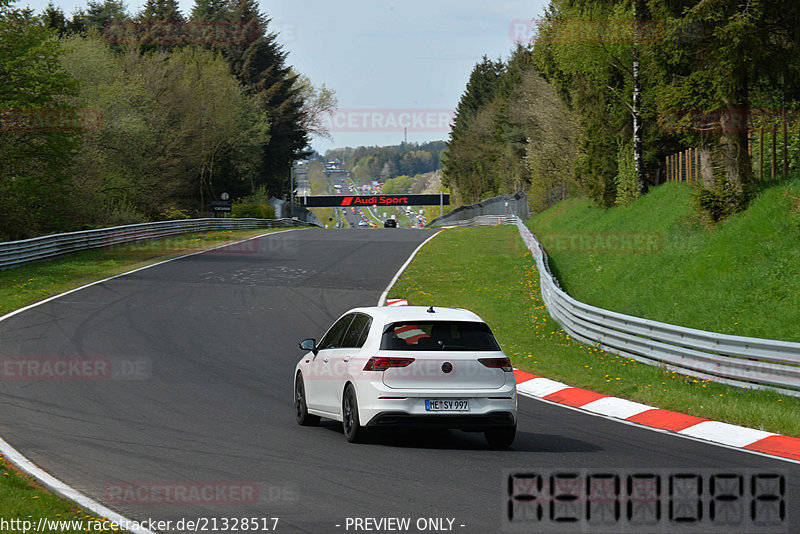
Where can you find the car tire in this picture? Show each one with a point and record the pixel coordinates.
(353, 430)
(300, 408)
(500, 437)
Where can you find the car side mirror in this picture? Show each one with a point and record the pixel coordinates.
(309, 344)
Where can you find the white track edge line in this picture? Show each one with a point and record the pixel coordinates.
(382, 300)
(64, 490)
(57, 486)
(48, 299)
(662, 430)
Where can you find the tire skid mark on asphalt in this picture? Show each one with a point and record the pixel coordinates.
(43, 477)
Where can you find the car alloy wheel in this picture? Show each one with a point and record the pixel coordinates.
(300, 408)
(353, 430)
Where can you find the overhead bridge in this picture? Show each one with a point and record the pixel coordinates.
(327, 201)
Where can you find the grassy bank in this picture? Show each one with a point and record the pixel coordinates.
(489, 271)
(741, 277)
(326, 215)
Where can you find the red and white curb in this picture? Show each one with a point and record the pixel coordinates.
(750, 439)
(396, 302)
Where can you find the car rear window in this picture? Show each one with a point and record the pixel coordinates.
(438, 335)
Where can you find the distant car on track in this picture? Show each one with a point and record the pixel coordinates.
(390, 223)
(408, 366)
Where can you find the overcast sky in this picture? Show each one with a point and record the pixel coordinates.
(391, 63)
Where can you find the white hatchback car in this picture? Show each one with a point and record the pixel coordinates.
(408, 365)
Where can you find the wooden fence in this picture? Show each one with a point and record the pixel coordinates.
(768, 147)
(684, 166)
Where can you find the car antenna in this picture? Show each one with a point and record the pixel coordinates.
(430, 310)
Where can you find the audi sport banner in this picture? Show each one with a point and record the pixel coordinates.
(375, 200)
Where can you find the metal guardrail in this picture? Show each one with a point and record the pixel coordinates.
(728, 359)
(14, 253)
(502, 206)
(734, 360)
(483, 220)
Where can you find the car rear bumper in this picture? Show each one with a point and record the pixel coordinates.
(379, 405)
(475, 422)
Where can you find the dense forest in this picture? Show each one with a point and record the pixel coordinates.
(604, 89)
(110, 118)
(387, 162)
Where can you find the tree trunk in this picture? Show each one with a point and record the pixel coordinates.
(638, 163)
(707, 168)
(730, 153)
(732, 157)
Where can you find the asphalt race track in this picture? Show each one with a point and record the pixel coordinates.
(202, 351)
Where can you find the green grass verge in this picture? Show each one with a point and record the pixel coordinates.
(741, 277)
(326, 215)
(489, 271)
(20, 497)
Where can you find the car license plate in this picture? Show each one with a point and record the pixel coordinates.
(447, 405)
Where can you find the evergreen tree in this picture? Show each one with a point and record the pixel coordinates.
(210, 10)
(99, 15)
(161, 10)
(261, 68)
(480, 91)
(466, 160)
(54, 18)
(160, 26)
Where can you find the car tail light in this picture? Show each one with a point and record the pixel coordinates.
(497, 363)
(381, 363)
